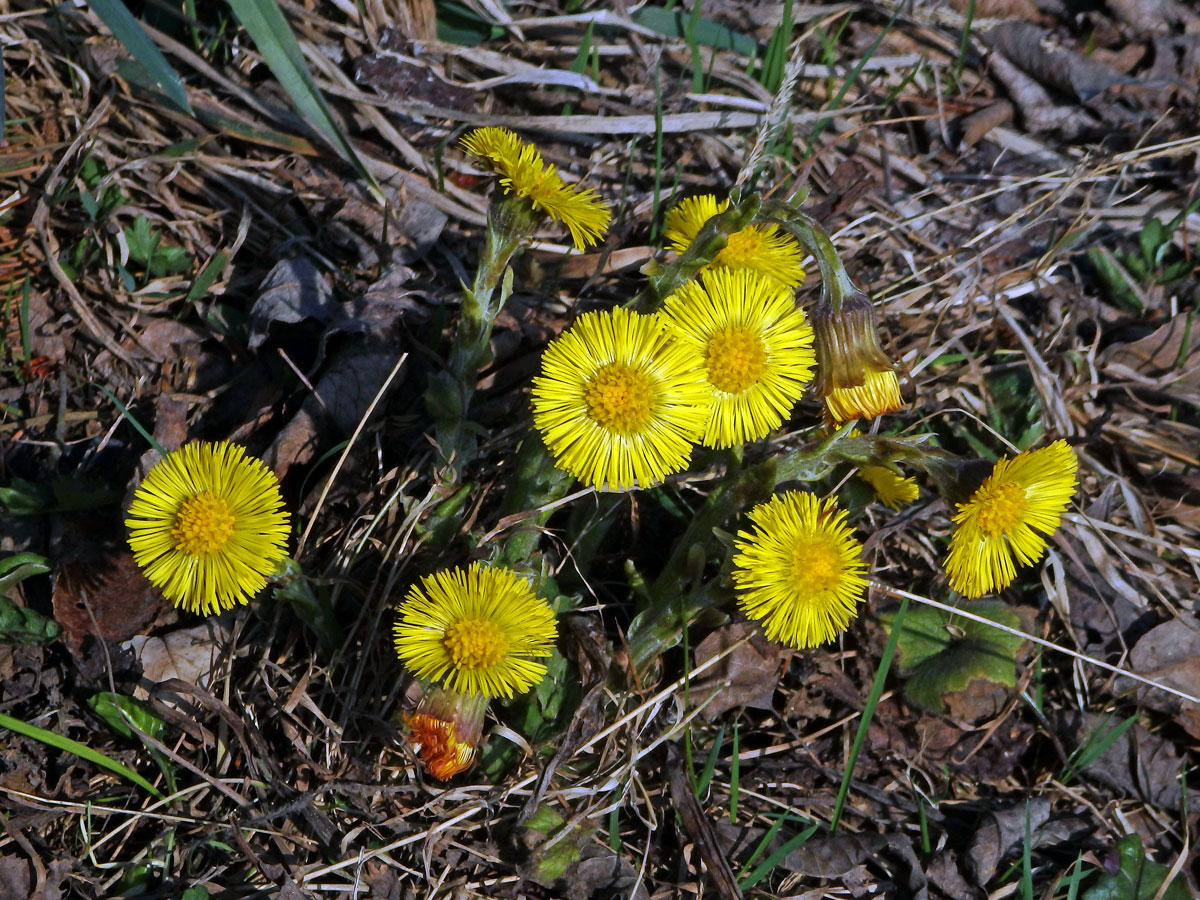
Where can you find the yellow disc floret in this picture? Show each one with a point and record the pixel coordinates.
(204, 524)
(620, 398)
(475, 643)
(736, 359)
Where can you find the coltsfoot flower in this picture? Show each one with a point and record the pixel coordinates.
(445, 729)
(479, 630)
(756, 348)
(1018, 506)
(619, 402)
(759, 248)
(800, 572)
(207, 527)
(523, 173)
(892, 490)
(856, 380)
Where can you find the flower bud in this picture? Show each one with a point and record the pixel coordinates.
(445, 731)
(855, 377)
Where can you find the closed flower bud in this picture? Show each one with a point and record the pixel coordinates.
(445, 730)
(856, 380)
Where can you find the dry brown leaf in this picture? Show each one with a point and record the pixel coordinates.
(110, 599)
(1170, 355)
(1000, 832)
(187, 654)
(1170, 653)
(1064, 70)
(746, 677)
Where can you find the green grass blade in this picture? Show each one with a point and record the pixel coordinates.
(274, 39)
(81, 750)
(864, 721)
(138, 427)
(776, 858)
(779, 822)
(734, 775)
(1095, 746)
(710, 764)
(125, 28)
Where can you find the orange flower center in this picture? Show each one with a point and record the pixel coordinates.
(475, 643)
(736, 359)
(815, 567)
(203, 524)
(1000, 507)
(620, 398)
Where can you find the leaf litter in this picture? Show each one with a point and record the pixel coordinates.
(978, 248)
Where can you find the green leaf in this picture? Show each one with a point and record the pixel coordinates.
(1113, 281)
(457, 23)
(81, 750)
(274, 39)
(19, 625)
(1139, 877)
(1153, 240)
(118, 711)
(673, 23)
(943, 654)
(125, 28)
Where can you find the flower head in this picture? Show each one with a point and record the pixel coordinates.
(207, 527)
(1011, 514)
(619, 402)
(855, 377)
(445, 729)
(479, 630)
(759, 248)
(756, 348)
(800, 573)
(892, 490)
(523, 173)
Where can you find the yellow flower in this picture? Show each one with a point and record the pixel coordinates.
(855, 377)
(479, 630)
(523, 173)
(756, 349)
(800, 574)
(759, 248)
(445, 729)
(619, 402)
(1011, 514)
(891, 489)
(207, 527)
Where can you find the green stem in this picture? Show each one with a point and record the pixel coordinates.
(835, 282)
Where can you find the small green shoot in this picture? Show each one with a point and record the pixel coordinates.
(864, 721)
(1095, 746)
(775, 59)
(710, 764)
(768, 865)
(734, 773)
(19, 625)
(120, 712)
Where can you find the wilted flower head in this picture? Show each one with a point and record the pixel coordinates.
(524, 174)
(207, 527)
(755, 347)
(479, 630)
(799, 572)
(763, 249)
(619, 402)
(1017, 507)
(855, 377)
(446, 729)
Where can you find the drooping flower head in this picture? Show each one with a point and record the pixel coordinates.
(476, 630)
(756, 348)
(760, 248)
(799, 573)
(1011, 514)
(445, 729)
(523, 173)
(619, 402)
(207, 526)
(892, 490)
(855, 377)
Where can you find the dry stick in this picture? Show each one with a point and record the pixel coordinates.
(944, 607)
(312, 520)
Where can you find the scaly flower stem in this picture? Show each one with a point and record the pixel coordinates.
(835, 283)
(449, 397)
